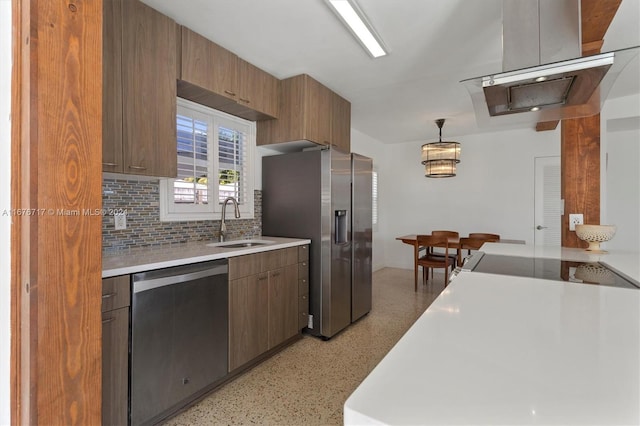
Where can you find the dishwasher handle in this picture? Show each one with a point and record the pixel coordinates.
(152, 283)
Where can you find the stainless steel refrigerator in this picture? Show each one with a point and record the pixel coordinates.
(325, 195)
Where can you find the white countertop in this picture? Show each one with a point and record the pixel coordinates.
(149, 258)
(626, 263)
(495, 349)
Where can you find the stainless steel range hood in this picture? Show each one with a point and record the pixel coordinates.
(565, 86)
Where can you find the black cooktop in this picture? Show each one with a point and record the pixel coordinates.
(550, 269)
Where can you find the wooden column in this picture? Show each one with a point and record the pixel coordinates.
(56, 180)
(580, 138)
(580, 158)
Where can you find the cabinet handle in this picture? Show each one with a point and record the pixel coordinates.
(137, 167)
(110, 164)
(108, 320)
(276, 274)
(229, 92)
(106, 296)
(244, 100)
(304, 263)
(262, 278)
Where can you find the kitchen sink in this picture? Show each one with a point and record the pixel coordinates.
(240, 243)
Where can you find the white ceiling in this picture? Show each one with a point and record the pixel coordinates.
(433, 43)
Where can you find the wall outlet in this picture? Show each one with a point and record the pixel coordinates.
(575, 219)
(120, 220)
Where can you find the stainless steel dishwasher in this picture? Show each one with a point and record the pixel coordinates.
(179, 342)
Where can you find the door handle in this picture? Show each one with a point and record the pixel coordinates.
(540, 227)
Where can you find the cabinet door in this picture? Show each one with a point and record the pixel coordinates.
(149, 91)
(340, 123)
(283, 304)
(257, 90)
(116, 292)
(112, 160)
(115, 366)
(248, 332)
(209, 66)
(317, 112)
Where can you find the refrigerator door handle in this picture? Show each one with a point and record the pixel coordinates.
(341, 226)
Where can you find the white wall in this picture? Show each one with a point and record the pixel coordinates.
(373, 148)
(620, 189)
(5, 200)
(492, 192)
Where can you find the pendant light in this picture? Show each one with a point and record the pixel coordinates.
(440, 158)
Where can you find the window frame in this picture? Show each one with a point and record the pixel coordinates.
(173, 212)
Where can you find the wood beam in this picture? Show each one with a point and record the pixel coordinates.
(56, 248)
(580, 165)
(546, 125)
(580, 138)
(596, 16)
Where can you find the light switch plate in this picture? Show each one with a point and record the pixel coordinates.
(120, 220)
(575, 219)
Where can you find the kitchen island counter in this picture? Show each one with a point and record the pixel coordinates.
(499, 349)
(496, 349)
(153, 257)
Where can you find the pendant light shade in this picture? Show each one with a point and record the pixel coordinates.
(440, 168)
(440, 158)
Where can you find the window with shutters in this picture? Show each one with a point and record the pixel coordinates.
(215, 161)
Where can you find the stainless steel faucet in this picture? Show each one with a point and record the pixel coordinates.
(223, 225)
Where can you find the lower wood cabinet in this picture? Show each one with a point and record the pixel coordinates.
(264, 303)
(115, 349)
(283, 304)
(248, 316)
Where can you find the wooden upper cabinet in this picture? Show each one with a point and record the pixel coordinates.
(257, 90)
(340, 123)
(208, 66)
(308, 111)
(149, 90)
(315, 118)
(139, 90)
(213, 76)
(112, 160)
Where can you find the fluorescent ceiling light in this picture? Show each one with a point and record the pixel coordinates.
(353, 17)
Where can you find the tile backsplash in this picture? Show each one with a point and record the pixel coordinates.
(141, 200)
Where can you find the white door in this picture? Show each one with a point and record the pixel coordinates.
(548, 206)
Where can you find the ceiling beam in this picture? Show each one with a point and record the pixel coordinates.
(596, 16)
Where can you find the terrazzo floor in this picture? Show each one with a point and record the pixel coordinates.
(308, 382)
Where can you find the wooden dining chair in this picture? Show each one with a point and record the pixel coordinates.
(430, 261)
(449, 234)
(490, 238)
(487, 237)
(471, 244)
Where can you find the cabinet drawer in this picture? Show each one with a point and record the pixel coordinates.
(303, 270)
(116, 292)
(303, 253)
(243, 266)
(303, 311)
(303, 286)
(280, 258)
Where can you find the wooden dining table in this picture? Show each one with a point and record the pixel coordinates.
(452, 242)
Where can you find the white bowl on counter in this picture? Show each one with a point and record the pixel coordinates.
(594, 235)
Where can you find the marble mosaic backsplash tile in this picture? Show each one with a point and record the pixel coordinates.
(141, 200)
